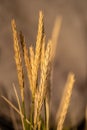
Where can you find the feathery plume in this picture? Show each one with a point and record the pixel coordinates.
(27, 61)
(41, 93)
(38, 49)
(65, 101)
(32, 67)
(18, 59)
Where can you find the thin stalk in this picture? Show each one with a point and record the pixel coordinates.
(46, 105)
(5, 99)
(32, 113)
(24, 113)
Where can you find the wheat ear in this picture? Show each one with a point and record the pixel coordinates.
(65, 101)
(40, 95)
(27, 60)
(18, 59)
(38, 50)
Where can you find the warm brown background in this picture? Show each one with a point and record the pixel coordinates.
(71, 54)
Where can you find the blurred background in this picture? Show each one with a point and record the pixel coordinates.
(71, 53)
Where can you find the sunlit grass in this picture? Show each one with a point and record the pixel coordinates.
(39, 67)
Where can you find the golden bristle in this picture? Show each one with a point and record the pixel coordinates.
(27, 60)
(40, 94)
(65, 101)
(45, 69)
(18, 59)
(28, 67)
(38, 49)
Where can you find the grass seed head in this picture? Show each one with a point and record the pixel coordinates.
(38, 49)
(18, 59)
(65, 101)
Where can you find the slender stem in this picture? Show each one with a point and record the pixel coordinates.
(32, 113)
(24, 113)
(46, 105)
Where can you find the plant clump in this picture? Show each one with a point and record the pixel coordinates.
(39, 67)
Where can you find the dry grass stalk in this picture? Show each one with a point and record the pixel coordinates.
(27, 61)
(40, 95)
(38, 50)
(13, 117)
(6, 100)
(47, 99)
(18, 59)
(65, 101)
(44, 73)
(19, 105)
(41, 59)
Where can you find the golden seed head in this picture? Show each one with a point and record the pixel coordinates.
(18, 59)
(65, 101)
